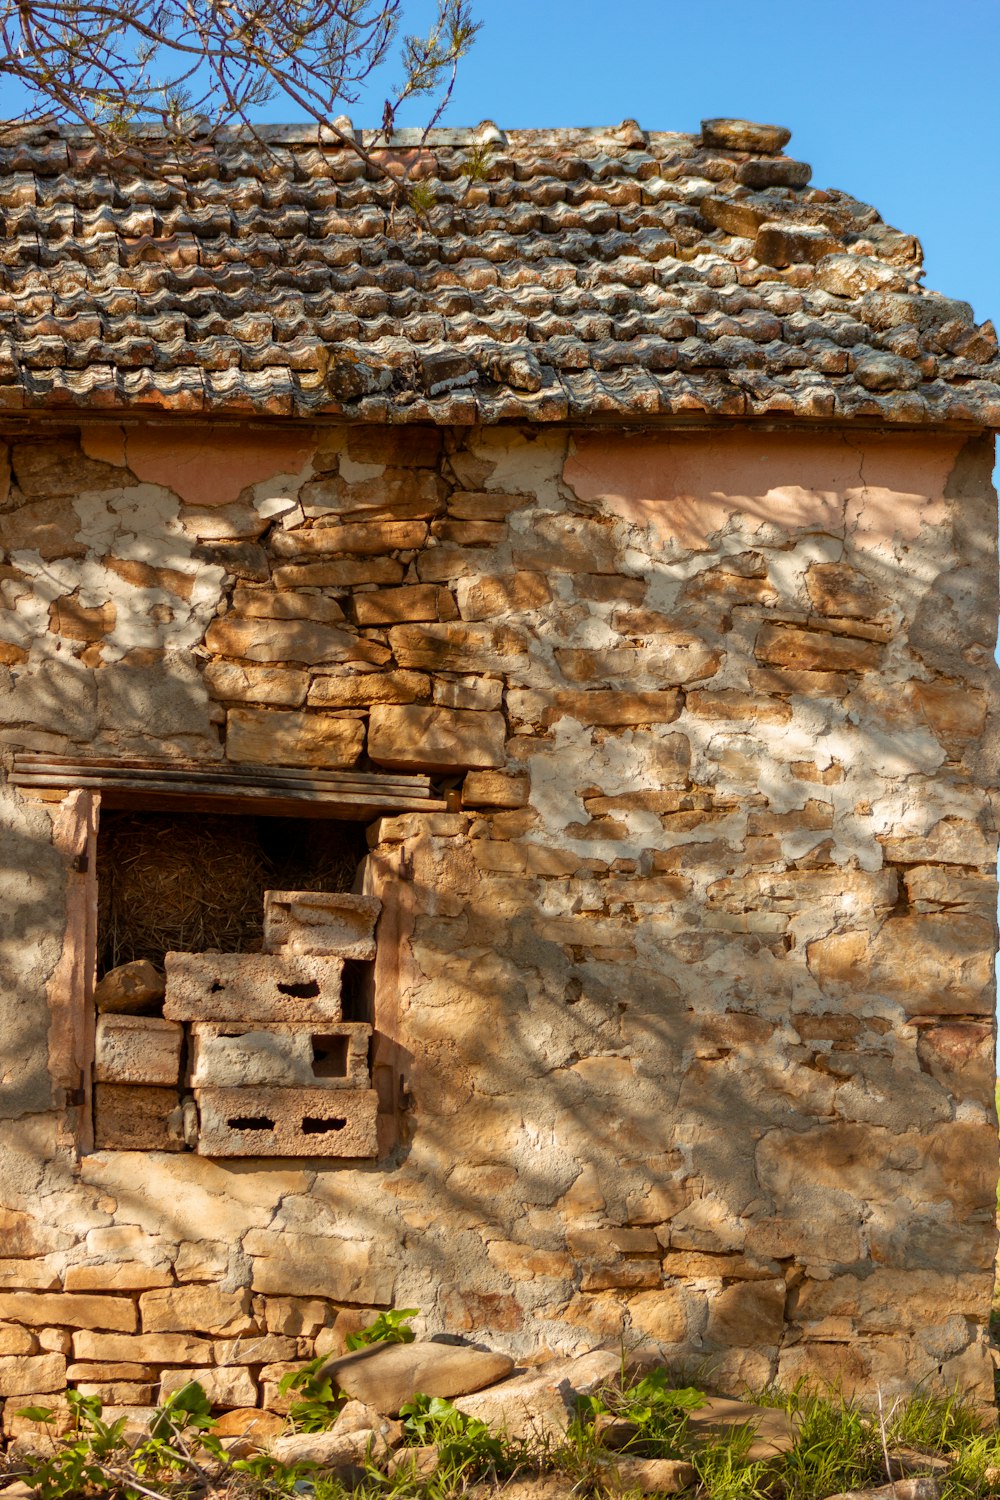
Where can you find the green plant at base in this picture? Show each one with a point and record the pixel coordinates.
(466, 1447)
(270, 1476)
(658, 1411)
(319, 1407)
(392, 1327)
(186, 1411)
(97, 1458)
(320, 1404)
(725, 1471)
(80, 1463)
(840, 1444)
(935, 1422)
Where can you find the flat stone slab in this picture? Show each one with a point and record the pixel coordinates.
(541, 1403)
(774, 1428)
(386, 1376)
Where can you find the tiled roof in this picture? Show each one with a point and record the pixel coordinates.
(593, 275)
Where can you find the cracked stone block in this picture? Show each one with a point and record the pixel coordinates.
(130, 1117)
(252, 987)
(138, 1049)
(287, 1122)
(320, 922)
(230, 1054)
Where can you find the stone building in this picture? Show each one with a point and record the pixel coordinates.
(540, 661)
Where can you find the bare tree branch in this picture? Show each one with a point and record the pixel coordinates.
(160, 76)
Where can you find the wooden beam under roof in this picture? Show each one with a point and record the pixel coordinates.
(217, 786)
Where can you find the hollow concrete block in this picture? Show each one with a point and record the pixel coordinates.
(138, 1049)
(232, 1054)
(287, 1122)
(320, 922)
(130, 1117)
(252, 987)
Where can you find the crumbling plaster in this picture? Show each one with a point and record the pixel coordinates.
(694, 998)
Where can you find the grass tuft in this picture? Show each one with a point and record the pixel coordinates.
(841, 1444)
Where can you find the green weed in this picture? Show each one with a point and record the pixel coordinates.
(840, 1444)
(97, 1459)
(319, 1404)
(392, 1327)
(466, 1447)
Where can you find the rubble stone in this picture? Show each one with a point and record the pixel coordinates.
(340, 1455)
(144, 1348)
(541, 1404)
(922, 1488)
(200, 1309)
(744, 135)
(495, 789)
(272, 737)
(14, 1340)
(774, 1431)
(26, 1374)
(130, 989)
(300, 642)
(362, 689)
(249, 1421)
(69, 1310)
(119, 1392)
(649, 1476)
(813, 650)
(116, 1276)
(232, 1387)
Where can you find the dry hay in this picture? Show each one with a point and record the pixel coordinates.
(190, 883)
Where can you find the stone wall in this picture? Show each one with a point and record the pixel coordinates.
(691, 1003)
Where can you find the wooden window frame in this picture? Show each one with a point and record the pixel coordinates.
(82, 787)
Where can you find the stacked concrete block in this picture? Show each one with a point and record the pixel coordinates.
(231, 1054)
(130, 1117)
(274, 1068)
(252, 987)
(320, 922)
(287, 1122)
(138, 1049)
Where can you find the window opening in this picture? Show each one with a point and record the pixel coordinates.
(216, 1047)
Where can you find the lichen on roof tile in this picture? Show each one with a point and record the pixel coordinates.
(609, 274)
